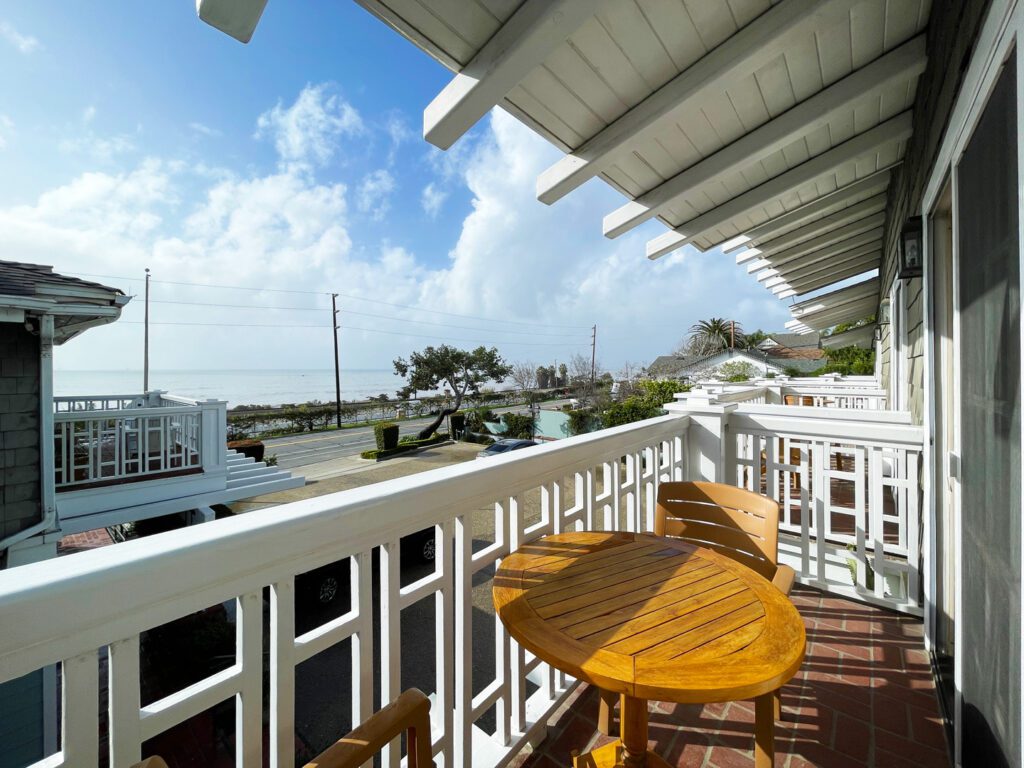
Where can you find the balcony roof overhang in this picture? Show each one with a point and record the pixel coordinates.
(764, 122)
(844, 305)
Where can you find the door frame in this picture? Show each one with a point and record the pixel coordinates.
(1002, 33)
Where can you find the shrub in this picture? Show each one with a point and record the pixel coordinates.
(386, 434)
(737, 370)
(518, 425)
(407, 443)
(580, 420)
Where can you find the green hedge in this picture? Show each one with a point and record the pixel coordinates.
(386, 435)
(407, 444)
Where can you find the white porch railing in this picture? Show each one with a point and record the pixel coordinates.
(109, 439)
(107, 446)
(842, 477)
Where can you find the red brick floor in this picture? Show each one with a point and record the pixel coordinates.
(864, 698)
(80, 542)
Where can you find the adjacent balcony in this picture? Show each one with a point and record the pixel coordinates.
(292, 681)
(123, 457)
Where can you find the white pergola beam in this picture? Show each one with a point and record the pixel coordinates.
(836, 261)
(852, 269)
(865, 262)
(900, 64)
(836, 297)
(831, 256)
(747, 255)
(827, 320)
(831, 279)
(786, 293)
(751, 47)
(773, 281)
(522, 43)
(851, 238)
(237, 18)
(833, 201)
(860, 147)
(822, 226)
(757, 265)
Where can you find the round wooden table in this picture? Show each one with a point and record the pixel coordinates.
(649, 617)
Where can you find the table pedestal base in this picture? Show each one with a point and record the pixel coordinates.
(610, 756)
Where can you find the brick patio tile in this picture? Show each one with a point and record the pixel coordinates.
(689, 750)
(821, 756)
(919, 754)
(724, 757)
(852, 737)
(890, 714)
(927, 727)
(576, 734)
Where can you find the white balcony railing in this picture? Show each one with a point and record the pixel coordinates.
(605, 480)
(117, 445)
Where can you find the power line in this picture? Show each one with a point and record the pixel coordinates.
(344, 296)
(354, 312)
(352, 328)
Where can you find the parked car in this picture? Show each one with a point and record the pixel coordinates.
(504, 446)
(323, 585)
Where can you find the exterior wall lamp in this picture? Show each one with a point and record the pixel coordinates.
(911, 248)
(883, 318)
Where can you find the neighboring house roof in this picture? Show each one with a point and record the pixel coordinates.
(792, 340)
(28, 290)
(706, 363)
(666, 365)
(787, 353)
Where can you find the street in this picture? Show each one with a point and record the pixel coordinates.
(302, 449)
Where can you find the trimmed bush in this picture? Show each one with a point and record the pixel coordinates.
(386, 435)
(408, 443)
(518, 425)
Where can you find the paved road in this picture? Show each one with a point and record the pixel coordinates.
(304, 449)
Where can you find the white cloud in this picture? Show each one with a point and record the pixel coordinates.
(514, 260)
(306, 133)
(375, 193)
(6, 130)
(100, 148)
(88, 114)
(432, 198)
(24, 43)
(205, 130)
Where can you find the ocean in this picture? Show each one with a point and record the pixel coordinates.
(237, 387)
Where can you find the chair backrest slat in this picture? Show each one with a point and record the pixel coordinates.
(738, 523)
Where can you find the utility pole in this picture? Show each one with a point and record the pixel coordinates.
(732, 334)
(145, 341)
(593, 357)
(337, 369)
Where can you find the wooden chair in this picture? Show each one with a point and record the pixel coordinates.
(737, 523)
(409, 712)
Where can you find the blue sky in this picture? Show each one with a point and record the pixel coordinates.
(133, 135)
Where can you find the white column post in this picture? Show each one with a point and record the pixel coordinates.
(214, 436)
(710, 454)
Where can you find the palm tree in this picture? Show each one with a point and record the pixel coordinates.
(717, 333)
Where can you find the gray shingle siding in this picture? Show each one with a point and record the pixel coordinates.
(19, 429)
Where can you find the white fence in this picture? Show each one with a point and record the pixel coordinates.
(94, 446)
(842, 477)
(849, 491)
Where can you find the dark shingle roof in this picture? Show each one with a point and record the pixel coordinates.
(795, 340)
(18, 279)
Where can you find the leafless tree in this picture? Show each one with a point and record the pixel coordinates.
(524, 374)
(580, 369)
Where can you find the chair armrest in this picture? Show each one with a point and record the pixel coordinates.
(410, 711)
(784, 578)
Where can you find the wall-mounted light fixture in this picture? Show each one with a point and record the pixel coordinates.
(911, 248)
(882, 318)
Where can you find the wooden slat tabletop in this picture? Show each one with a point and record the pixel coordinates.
(650, 617)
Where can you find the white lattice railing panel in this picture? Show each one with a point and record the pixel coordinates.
(849, 496)
(605, 480)
(111, 446)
